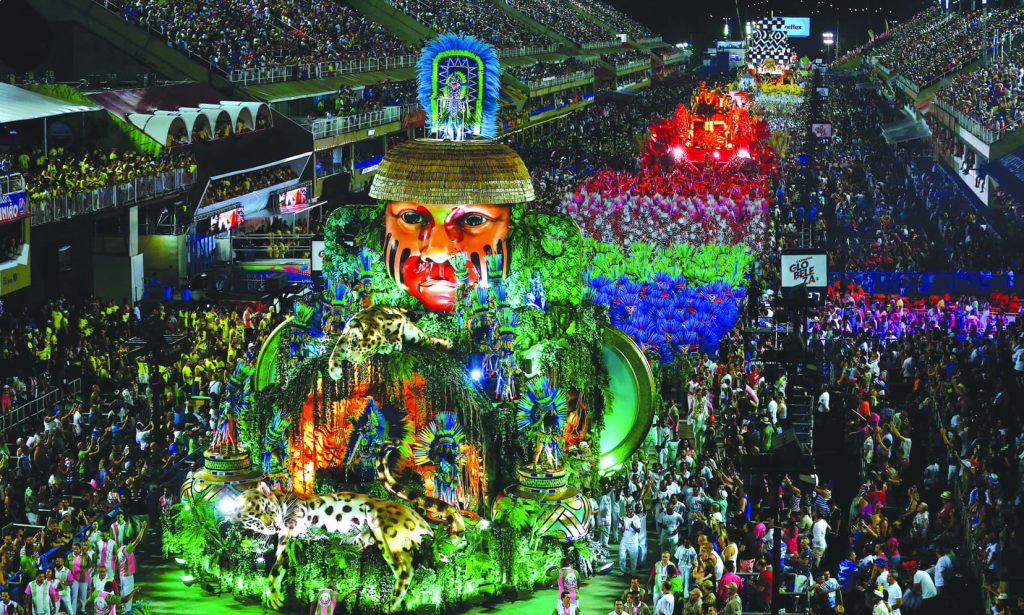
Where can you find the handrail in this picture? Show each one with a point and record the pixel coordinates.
(13, 182)
(511, 52)
(32, 409)
(600, 44)
(276, 73)
(323, 127)
(46, 208)
(968, 123)
(651, 39)
(634, 64)
(547, 82)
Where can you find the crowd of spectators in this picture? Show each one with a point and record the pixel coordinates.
(354, 101)
(882, 208)
(59, 172)
(615, 19)
(538, 72)
(727, 538)
(481, 19)
(924, 388)
(990, 95)
(275, 238)
(948, 44)
(83, 478)
(233, 34)
(563, 19)
(626, 56)
(244, 183)
(899, 34)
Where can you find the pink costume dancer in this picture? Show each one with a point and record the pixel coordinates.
(80, 577)
(126, 559)
(568, 581)
(103, 604)
(326, 602)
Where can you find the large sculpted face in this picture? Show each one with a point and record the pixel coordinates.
(421, 239)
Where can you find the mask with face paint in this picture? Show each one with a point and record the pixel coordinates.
(420, 241)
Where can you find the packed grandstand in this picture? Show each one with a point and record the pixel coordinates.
(187, 259)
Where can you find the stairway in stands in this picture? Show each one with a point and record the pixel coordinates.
(800, 408)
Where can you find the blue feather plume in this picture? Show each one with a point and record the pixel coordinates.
(477, 61)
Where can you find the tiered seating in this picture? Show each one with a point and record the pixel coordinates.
(615, 19)
(625, 57)
(949, 45)
(990, 95)
(544, 70)
(899, 34)
(232, 34)
(560, 17)
(481, 19)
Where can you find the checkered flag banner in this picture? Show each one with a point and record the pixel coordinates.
(768, 41)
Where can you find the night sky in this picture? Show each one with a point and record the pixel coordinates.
(701, 21)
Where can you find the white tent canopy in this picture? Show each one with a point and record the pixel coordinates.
(17, 105)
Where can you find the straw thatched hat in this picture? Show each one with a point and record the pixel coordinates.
(437, 172)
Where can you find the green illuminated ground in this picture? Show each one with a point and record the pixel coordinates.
(162, 584)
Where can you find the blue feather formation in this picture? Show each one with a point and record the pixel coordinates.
(439, 443)
(666, 317)
(478, 61)
(375, 426)
(542, 414)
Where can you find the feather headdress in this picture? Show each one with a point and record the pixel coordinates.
(458, 86)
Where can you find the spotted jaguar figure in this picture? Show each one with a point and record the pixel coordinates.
(397, 530)
(374, 329)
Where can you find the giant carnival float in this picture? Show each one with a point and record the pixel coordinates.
(432, 430)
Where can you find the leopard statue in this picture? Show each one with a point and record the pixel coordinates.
(375, 329)
(396, 529)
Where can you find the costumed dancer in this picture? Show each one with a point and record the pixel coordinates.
(629, 546)
(666, 603)
(105, 600)
(634, 594)
(106, 551)
(604, 518)
(126, 568)
(566, 607)
(641, 513)
(685, 555)
(80, 576)
(440, 443)
(326, 601)
(541, 417)
(40, 595)
(568, 582)
(62, 574)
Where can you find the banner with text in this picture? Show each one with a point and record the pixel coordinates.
(13, 206)
(795, 27)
